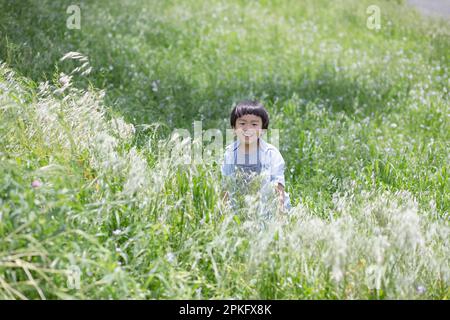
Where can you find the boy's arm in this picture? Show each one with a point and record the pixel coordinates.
(277, 176)
(281, 196)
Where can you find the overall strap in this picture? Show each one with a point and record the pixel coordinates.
(257, 154)
(258, 161)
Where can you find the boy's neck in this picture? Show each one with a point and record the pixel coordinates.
(248, 148)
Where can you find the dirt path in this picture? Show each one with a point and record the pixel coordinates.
(440, 8)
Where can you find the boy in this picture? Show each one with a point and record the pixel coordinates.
(250, 156)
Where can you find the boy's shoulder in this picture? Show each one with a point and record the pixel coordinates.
(271, 152)
(269, 148)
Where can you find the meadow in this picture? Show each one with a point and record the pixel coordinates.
(94, 205)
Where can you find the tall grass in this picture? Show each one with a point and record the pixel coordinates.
(88, 180)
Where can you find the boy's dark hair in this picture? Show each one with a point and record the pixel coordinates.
(250, 107)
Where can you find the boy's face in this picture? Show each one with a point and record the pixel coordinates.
(248, 128)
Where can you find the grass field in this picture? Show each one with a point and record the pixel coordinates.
(94, 205)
